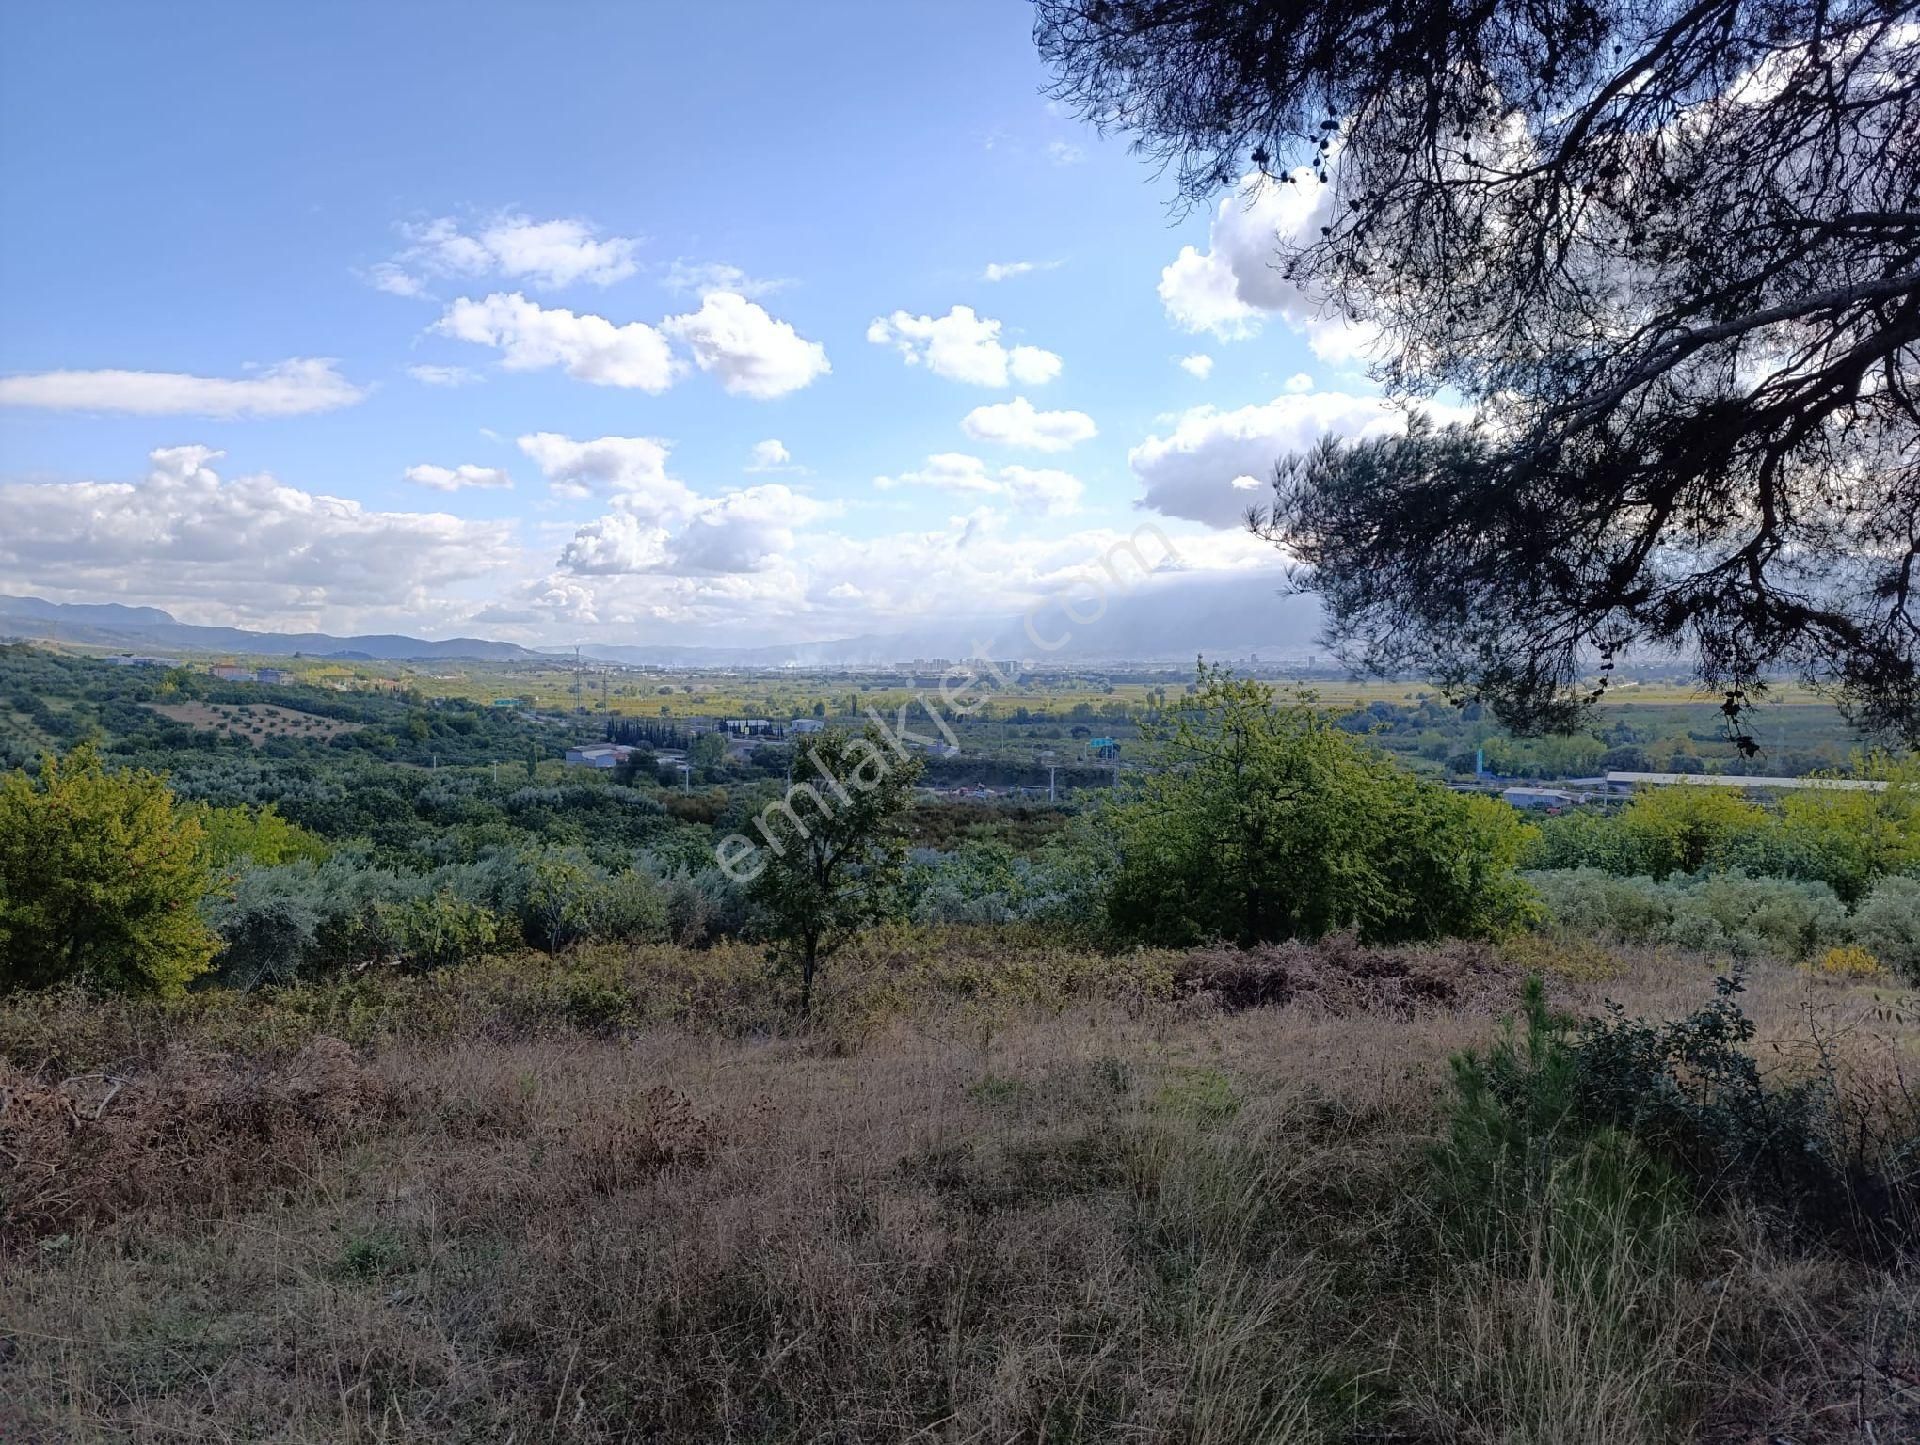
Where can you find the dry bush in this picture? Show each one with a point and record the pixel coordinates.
(1343, 976)
(191, 1133)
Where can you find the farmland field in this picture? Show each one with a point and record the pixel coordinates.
(258, 723)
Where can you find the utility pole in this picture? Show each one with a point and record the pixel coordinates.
(576, 680)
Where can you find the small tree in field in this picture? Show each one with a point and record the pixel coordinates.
(835, 854)
(101, 878)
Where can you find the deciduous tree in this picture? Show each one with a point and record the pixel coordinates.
(1257, 818)
(101, 879)
(835, 855)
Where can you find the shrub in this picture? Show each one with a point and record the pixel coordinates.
(1691, 1104)
(1756, 917)
(1747, 917)
(1887, 922)
(1849, 961)
(268, 920)
(1588, 902)
(439, 931)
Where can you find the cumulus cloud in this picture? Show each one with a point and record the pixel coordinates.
(975, 569)
(288, 388)
(453, 479)
(531, 337)
(1215, 464)
(617, 543)
(770, 455)
(249, 550)
(752, 354)
(745, 531)
(443, 375)
(547, 253)
(1199, 364)
(1030, 489)
(963, 346)
(1018, 423)
(729, 336)
(1230, 288)
(631, 470)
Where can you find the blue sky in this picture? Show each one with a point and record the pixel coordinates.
(274, 276)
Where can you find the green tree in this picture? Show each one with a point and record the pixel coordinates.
(1852, 837)
(260, 836)
(101, 879)
(1683, 828)
(835, 850)
(1261, 819)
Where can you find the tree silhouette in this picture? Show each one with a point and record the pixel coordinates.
(1669, 251)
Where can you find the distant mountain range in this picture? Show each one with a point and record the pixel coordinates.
(1177, 617)
(134, 629)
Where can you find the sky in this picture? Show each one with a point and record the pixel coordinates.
(735, 323)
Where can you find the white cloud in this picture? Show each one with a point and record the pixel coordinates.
(730, 336)
(1299, 383)
(745, 531)
(430, 375)
(288, 388)
(1018, 423)
(962, 346)
(752, 354)
(1065, 153)
(395, 280)
(1236, 283)
(251, 550)
(1215, 464)
(770, 455)
(1007, 270)
(632, 470)
(696, 278)
(453, 479)
(965, 577)
(547, 253)
(1199, 364)
(617, 543)
(530, 337)
(1031, 489)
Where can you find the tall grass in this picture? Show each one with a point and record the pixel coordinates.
(1088, 1213)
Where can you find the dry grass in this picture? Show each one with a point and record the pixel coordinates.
(1125, 1216)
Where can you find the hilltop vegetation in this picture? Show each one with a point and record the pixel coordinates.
(389, 1100)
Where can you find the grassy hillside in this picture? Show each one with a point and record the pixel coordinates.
(991, 1195)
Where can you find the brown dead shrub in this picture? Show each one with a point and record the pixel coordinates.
(193, 1131)
(1341, 976)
